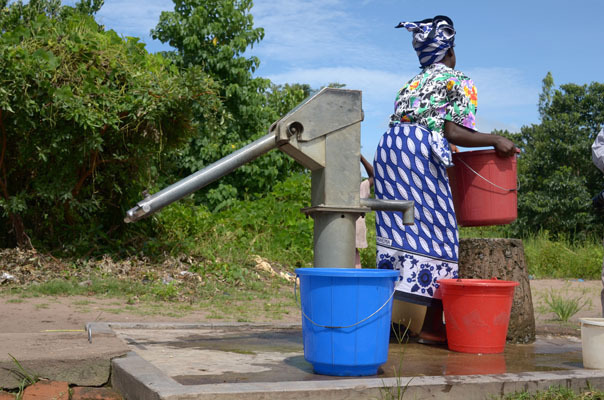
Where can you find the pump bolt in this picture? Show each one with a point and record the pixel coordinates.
(295, 128)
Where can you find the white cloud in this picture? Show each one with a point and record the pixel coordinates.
(503, 86)
(323, 41)
(315, 32)
(375, 84)
(133, 17)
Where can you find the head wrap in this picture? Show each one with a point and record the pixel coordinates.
(431, 38)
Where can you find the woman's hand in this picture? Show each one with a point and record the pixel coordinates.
(504, 146)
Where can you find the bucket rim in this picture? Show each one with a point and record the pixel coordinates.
(348, 272)
(592, 321)
(477, 283)
(465, 153)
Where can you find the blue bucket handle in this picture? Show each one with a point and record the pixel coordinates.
(338, 327)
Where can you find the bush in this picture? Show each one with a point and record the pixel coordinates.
(85, 120)
(272, 227)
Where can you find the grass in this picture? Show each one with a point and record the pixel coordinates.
(397, 392)
(556, 393)
(24, 376)
(85, 302)
(561, 258)
(548, 257)
(564, 307)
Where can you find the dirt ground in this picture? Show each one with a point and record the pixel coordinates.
(65, 313)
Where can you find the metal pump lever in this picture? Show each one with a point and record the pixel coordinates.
(201, 178)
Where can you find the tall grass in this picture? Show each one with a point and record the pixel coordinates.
(274, 228)
(549, 257)
(561, 258)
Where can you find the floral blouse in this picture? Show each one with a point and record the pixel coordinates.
(436, 95)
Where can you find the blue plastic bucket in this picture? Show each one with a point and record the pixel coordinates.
(346, 316)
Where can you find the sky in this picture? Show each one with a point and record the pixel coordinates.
(506, 47)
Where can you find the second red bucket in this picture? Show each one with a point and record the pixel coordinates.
(483, 186)
(477, 313)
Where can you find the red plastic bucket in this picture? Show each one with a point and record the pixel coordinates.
(477, 313)
(483, 186)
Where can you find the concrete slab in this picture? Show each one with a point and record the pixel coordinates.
(59, 356)
(265, 361)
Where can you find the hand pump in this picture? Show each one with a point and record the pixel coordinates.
(323, 134)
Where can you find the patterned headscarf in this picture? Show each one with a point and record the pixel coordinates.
(431, 38)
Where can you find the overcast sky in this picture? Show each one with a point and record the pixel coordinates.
(506, 47)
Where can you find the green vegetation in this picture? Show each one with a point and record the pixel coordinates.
(564, 307)
(398, 391)
(560, 258)
(89, 120)
(271, 226)
(24, 376)
(214, 35)
(557, 178)
(549, 256)
(86, 118)
(557, 393)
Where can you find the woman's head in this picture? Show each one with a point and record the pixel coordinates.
(432, 39)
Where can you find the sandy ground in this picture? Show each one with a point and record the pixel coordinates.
(586, 293)
(64, 313)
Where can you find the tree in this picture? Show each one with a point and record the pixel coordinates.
(556, 175)
(214, 35)
(84, 118)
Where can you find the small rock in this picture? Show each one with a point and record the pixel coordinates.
(6, 277)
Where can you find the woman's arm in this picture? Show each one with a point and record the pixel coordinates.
(368, 168)
(462, 136)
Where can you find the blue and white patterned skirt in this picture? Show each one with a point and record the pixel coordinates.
(406, 169)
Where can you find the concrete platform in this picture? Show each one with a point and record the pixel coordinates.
(266, 361)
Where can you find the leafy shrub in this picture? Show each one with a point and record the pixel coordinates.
(85, 120)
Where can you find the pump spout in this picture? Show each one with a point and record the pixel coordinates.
(201, 178)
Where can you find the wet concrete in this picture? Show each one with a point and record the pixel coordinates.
(252, 354)
(265, 361)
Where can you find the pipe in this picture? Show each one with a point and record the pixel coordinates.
(406, 206)
(201, 178)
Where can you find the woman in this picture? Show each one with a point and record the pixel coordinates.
(434, 110)
(361, 228)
